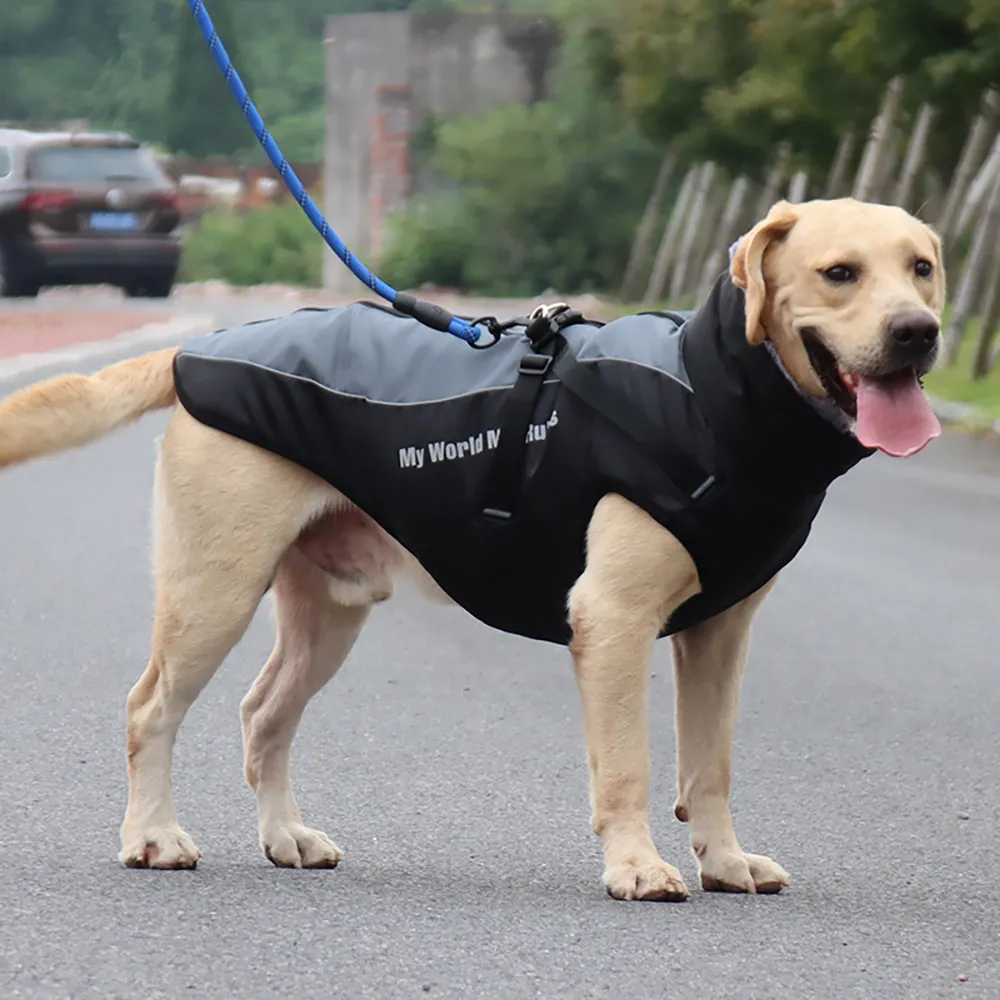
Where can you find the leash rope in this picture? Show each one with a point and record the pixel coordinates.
(427, 313)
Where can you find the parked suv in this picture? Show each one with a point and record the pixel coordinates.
(85, 208)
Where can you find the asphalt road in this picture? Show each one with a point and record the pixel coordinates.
(448, 761)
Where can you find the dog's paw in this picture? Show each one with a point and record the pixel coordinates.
(296, 846)
(732, 872)
(158, 847)
(656, 881)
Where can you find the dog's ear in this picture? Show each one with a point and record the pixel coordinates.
(747, 265)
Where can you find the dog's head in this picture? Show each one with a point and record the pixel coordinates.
(850, 294)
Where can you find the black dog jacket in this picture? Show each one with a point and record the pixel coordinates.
(677, 413)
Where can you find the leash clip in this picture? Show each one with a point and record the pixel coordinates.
(540, 327)
(493, 326)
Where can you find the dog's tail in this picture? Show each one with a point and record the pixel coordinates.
(72, 410)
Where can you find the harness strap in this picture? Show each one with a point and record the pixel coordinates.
(551, 355)
(504, 482)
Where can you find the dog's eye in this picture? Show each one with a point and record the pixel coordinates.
(840, 274)
(924, 268)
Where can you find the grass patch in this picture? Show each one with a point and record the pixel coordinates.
(955, 384)
(274, 244)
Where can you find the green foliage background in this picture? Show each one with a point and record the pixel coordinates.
(525, 198)
(276, 244)
(117, 62)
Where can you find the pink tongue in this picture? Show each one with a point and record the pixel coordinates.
(894, 415)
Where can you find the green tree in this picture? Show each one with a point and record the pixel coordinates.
(728, 79)
(665, 59)
(202, 118)
(794, 91)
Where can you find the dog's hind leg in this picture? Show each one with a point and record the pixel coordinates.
(315, 635)
(709, 660)
(224, 512)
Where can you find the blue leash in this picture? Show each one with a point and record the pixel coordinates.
(427, 313)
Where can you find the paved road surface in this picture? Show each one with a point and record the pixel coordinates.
(448, 761)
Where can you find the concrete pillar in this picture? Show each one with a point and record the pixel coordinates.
(389, 173)
(385, 73)
(363, 52)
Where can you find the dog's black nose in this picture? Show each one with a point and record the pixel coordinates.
(913, 333)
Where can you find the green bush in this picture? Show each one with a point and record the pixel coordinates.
(275, 244)
(538, 197)
(432, 241)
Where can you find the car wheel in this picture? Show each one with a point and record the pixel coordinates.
(12, 284)
(152, 286)
(160, 286)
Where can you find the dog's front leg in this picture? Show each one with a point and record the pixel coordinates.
(708, 665)
(636, 575)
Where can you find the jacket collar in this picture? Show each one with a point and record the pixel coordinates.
(764, 427)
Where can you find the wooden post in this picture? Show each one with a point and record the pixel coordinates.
(798, 187)
(644, 234)
(841, 164)
(979, 190)
(972, 278)
(665, 252)
(727, 232)
(887, 168)
(691, 231)
(932, 190)
(916, 153)
(976, 144)
(983, 360)
(708, 237)
(879, 140)
(772, 183)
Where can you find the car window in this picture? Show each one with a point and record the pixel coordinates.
(92, 163)
(6, 162)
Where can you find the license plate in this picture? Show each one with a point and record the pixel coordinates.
(113, 220)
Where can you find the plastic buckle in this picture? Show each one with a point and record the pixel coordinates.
(539, 331)
(543, 328)
(534, 364)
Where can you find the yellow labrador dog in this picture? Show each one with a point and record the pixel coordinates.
(836, 308)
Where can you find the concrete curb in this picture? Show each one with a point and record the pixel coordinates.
(100, 352)
(963, 416)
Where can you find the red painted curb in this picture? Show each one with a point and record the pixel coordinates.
(37, 331)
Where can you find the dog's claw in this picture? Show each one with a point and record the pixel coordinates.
(749, 873)
(297, 846)
(169, 848)
(658, 882)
